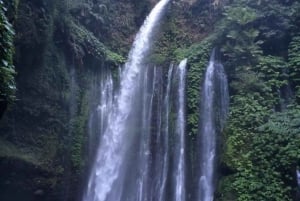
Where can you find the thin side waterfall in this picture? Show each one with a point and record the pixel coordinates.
(157, 145)
(102, 95)
(148, 87)
(298, 183)
(106, 101)
(107, 176)
(214, 109)
(180, 135)
(72, 115)
(162, 180)
(298, 178)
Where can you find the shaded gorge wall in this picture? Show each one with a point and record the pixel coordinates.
(43, 134)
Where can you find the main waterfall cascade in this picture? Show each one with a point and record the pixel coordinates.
(107, 176)
(214, 110)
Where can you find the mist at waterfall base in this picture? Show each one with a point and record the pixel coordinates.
(140, 127)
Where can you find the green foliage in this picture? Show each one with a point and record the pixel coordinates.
(240, 15)
(7, 72)
(249, 108)
(264, 158)
(12, 9)
(274, 155)
(170, 40)
(294, 58)
(84, 42)
(239, 36)
(78, 132)
(91, 14)
(198, 56)
(273, 71)
(278, 141)
(261, 145)
(114, 58)
(294, 65)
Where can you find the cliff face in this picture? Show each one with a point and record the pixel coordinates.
(44, 132)
(60, 48)
(63, 46)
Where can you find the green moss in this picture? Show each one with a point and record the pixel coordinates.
(294, 65)
(226, 190)
(78, 131)
(84, 42)
(198, 56)
(114, 58)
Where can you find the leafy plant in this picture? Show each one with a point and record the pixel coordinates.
(198, 56)
(294, 65)
(7, 72)
(260, 67)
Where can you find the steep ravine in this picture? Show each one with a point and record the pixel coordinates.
(62, 47)
(43, 134)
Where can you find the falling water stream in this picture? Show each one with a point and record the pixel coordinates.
(180, 131)
(298, 178)
(141, 130)
(214, 109)
(102, 92)
(162, 180)
(145, 172)
(106, 181)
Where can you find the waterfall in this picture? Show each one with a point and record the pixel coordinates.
(71, 129)
(157, 139)
(107, 175)
(298, 178)
(180, 135)
(214, 109)
(102, 92)
(164, 152)
(143, 183)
